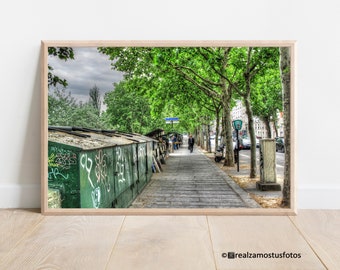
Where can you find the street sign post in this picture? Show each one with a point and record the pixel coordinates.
(172, 121)
(237, 124)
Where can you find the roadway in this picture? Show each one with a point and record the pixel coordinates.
(245, 159)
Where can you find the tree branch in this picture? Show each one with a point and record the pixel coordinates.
(197, 75)
(208, 91)
(220, 73)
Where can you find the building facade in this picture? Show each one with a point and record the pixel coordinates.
(239, 113)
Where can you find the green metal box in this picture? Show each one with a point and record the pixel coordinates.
(98, 170)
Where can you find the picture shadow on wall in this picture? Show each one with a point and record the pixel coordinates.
(29, 166)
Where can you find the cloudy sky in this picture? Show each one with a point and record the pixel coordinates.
(88, 68)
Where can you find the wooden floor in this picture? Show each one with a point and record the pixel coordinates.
(29, 240)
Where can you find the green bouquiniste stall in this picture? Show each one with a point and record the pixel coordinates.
(97, 169)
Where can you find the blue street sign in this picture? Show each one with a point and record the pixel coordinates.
(172, 119)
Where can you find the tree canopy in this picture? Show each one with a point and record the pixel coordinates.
(199, 85)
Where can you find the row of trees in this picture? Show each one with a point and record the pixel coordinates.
(201, 84)
(197, 84)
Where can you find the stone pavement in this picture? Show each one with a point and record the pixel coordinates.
(192, 180)
(250, 188)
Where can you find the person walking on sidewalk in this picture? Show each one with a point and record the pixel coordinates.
(191, 142)
(174, 142)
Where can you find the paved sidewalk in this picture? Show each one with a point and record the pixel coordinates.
(191, 180)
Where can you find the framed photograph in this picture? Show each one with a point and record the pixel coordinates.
(168, 127)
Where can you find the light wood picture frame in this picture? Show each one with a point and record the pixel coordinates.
(79, 163)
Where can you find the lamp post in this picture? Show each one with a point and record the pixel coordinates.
(237, 124)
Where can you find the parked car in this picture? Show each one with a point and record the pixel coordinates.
(258, 142)
(280, 144)
(245, 143)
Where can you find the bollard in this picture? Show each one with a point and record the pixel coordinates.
(267, 166)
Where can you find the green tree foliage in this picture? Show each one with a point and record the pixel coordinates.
(128, 111)
(200, 79)
(247, 65)
(172, 79)
(266, 98)
(60, 107)
(63, 110)
(95, 100)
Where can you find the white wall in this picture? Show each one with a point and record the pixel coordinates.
(314, 24)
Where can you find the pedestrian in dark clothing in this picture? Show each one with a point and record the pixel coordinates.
(174, 141)
(191, 142)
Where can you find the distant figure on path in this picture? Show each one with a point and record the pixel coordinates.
(174, 142)
(191, 142)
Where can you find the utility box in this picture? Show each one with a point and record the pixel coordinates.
(95, 169)
(267, 166)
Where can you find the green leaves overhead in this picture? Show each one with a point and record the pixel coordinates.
(128, 111)
(176, 80)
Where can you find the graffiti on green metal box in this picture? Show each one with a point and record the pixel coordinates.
(54, 173)
(135, 162)
(95, 195)
(142, 163)
(120, 165)
(96, 171)
(51, 161)
(142, 157)
(63, 158)
(86, 164)
(59, 162)
(101, 170)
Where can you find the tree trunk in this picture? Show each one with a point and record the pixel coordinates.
(266, 121)
(275, 127)
(217, 132)
(208, 139)
(198, 135)
(224, 128)
(202, 136)
(247, 76)
(226, 100)
(285, 78)
(227, 131)
(249, 112)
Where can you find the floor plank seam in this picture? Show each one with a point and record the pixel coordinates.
(115, 242)
(307, 241)
(211, 242)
